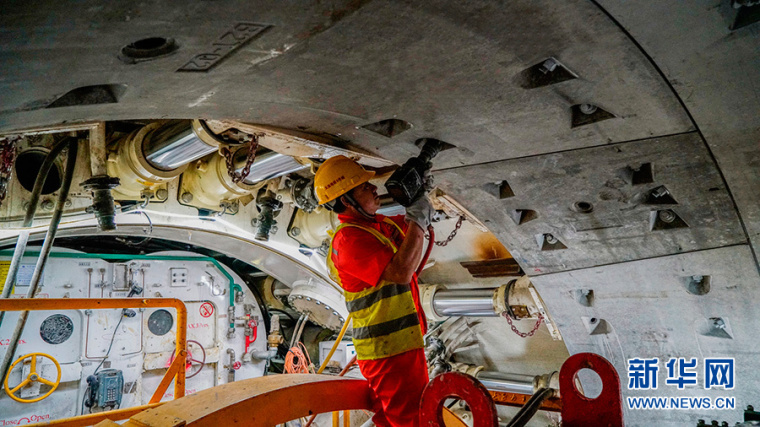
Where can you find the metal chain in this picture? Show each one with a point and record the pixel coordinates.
(447, 240)
(524, 334)
(7, 157)
(227, 154)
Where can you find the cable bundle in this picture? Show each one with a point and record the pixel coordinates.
(297, 361)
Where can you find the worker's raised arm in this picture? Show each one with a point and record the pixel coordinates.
(407, 258)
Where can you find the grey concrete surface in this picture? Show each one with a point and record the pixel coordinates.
(619, 226)
(715, 73)
(450, 69)
(650, 313)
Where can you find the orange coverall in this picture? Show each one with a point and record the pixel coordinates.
(398, 380)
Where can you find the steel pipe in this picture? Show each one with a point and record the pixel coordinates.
(268, 165)
(171, 147)
(158, 153)
(464, 302)
(507, 383)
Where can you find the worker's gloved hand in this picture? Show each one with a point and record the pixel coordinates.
(420, 212)
(429, 182)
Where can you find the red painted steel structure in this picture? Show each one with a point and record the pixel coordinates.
(606, 410)
(457, 385)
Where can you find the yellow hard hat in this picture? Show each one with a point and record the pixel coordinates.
(337, 176)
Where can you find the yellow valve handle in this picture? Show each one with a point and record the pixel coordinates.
(33, 376)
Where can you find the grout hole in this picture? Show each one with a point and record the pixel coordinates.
(389, 127)
(89, 95)
(549, 242)
(583, 207)
(585, 114)
(147, 49)
(505, 191)
(698, 285)
(521, 216)
(665, 219)
(547, 72)
(660, 196)
(642, 174)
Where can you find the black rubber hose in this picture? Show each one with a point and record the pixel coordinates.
(530, 408)
(23, 238)
(39, 182)
(55, 221)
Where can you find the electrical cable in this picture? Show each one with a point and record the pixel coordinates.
(87, 391)
(300, 331)
(84, 399)
(530, 408)
(121, 317)
(148, 231)
(297, 361)
(295, 332)
(348, 366)
(39, 182)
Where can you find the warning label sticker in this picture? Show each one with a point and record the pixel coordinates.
(4, 267)
(206, 309)
(23, 277)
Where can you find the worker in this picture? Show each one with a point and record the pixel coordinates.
(374, 259)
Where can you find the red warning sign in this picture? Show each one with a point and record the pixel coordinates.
(207, 309)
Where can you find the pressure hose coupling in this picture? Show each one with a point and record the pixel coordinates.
(274, 340)
(265, 223)
(102, 200)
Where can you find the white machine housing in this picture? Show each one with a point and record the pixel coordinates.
(137, 351)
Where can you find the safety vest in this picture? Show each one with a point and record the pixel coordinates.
(385, 321)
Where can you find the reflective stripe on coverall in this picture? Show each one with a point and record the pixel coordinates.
(387, 334)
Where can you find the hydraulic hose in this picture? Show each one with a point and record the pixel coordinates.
(337, 343)
(427, 251)
(530, 408)
(63, 193)
(416, 289)
(39, 182)
(34, 200)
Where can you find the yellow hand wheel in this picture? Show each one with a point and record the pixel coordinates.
(33, 376)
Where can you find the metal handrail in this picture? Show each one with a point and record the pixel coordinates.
(176, 370)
